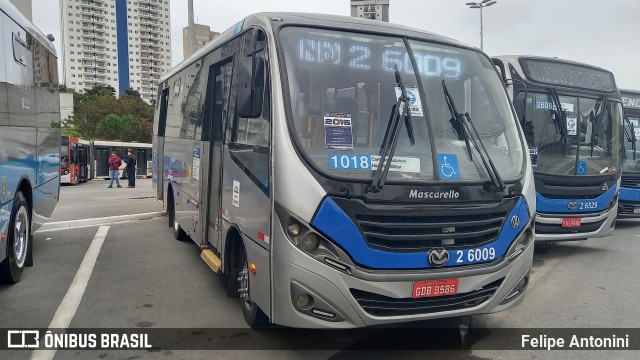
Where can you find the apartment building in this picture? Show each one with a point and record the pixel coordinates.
(121, 43)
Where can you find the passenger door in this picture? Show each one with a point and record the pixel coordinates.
(216, 109)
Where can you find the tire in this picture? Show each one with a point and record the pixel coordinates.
(178, 233)
(18, 241)
(253, 315)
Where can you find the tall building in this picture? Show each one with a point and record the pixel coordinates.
(203, 36)
(370, 9)
(25, 8)
(121, 43)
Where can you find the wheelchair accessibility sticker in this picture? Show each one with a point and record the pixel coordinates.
(582, 168)
(448, 166)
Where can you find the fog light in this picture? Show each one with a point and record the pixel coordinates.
(310, 242)
(293, 229)
(520, 287)
(303, 301)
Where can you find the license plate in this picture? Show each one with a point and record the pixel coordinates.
(636, 210)
(571, 222)
(432, 288)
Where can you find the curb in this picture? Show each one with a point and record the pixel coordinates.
(59, 225)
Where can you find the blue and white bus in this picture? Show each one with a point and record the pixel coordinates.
(29, 138)
(346, 173)
(571, 114)
(630, 184)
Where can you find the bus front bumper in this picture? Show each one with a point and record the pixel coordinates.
(340, 299)
(549, 226)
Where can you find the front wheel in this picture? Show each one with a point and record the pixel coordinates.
(253, 315)
(18, 236)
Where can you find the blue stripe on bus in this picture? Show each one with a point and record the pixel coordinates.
(583, 206)
(123, 46)
(334, 223)
(629, 194)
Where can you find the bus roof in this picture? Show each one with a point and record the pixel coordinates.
(516, 58)
(121, 144)
(337, 22)
(8, 8)
(629, 91)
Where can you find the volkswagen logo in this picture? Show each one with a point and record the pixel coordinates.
(515, 221)
(572, 205)
(438, 257)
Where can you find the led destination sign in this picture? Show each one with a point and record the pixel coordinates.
(631, 101)
(563, 74)
(370, 56)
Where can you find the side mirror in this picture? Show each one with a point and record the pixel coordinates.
(250, 86)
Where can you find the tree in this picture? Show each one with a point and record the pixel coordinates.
(94, 106)
(132, 92)
(122, 128)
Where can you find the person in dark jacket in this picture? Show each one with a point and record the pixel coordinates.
(114, 165)
(130, 160)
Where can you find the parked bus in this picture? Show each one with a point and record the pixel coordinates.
(267, 154)
(571, 114)
(74, 160)
(630, 184)
(29, 138)
(101, 150)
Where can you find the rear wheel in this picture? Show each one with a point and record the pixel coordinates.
(18, 241)
(178, 233)
(253, 315)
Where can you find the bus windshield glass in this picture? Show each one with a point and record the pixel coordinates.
(583, 139)
(342, 89)
(631, 159)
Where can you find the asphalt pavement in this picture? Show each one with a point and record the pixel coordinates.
(133, 274)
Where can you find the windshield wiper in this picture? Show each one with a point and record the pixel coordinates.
(391, 135)
(560, 120)
(463, 121)
(631, 135)
(597, 119)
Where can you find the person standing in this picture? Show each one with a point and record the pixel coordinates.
(114, 165)
(130, 159)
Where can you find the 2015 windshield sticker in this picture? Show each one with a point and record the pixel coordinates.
(572, 125)
(533, 154)
(415, 105)
(371, 162)
(448, 166)
(338, 133)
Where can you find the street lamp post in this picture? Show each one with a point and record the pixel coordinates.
(480, 5)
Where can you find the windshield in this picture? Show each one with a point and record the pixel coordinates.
(631, 161)
(343, 89)
(591, 125)
(64, 156)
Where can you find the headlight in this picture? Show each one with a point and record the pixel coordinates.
(522, 241)
(310, 242)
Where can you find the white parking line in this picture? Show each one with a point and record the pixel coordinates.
(71, 300)
(108, 220)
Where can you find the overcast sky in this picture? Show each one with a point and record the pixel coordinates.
(604, 33)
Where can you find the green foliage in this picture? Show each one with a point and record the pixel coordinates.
(98, 114)
(122, 128)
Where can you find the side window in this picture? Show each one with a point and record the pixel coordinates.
(249, 139)
(20, 51)
(254, 131)
(196, 85)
